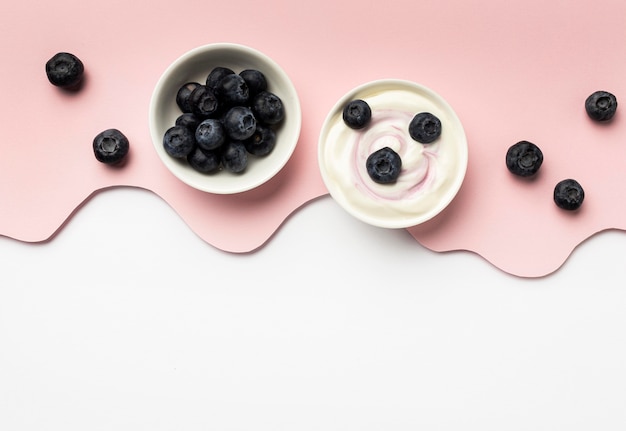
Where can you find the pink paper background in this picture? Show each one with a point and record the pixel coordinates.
(511, 70)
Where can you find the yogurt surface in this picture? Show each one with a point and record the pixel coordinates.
(431, 174)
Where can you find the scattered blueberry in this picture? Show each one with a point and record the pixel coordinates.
(216, 74)
(205, 162)
(210, 134)
(384, 165)
(524, 159)
(239, 123)
(268, 108)
(569, 195)
(425, 128)
(182, 96)
(235, 157)
(262, 141)
(203, 102)
(232, 90)
(110, 146)
(65, 70)
(601, 106)
(188, 120)
(255, 79)
(357, 114)
(178, 141)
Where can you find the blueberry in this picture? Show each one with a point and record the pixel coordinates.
(524, 159)
(216, 74)
(255, 80)
(384, 165)
(232, 90)
(268, 108)
(262, 141)
(182, 96)
(235, 157)
(178, 141)
(188, 120)
(205, 162)
(425, 128)
(569, 195)
(357, 114)
(210, 134)
(601, 106)
(204, 102)
(239, 123)
(65, 70)
(110, 146)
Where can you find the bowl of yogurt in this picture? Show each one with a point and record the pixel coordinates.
(431, 174)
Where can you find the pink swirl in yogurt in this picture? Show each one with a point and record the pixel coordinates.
(389, 128)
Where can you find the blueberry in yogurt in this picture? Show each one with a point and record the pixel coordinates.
(569, 194)
(425, 128)
(524, 159)
(65, 70)
(384, 165)
(357, 114)
(601, 106)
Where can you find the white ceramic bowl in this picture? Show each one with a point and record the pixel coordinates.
(194, 66)
(431, 174)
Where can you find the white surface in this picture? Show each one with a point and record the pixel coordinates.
(128, 321)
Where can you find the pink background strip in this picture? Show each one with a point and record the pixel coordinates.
(511, 70)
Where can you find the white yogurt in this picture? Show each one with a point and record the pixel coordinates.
(431, 173)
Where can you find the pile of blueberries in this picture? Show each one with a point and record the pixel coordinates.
(525, 158)
(223, 120)
(384, 165)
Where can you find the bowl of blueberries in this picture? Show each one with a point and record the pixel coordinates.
(224, 118)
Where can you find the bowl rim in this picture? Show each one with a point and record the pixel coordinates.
(366, 216)
(295, 115)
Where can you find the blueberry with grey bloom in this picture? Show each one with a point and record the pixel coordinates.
(569, 195)
(262, 141)
(239, 123)
(232, 90)
(216, 74)
(425, 128)
(65, 70)
(524, 159)
(204, 102)
(268, 108)
(188, 120)
(210, 134)
(179, 141)
(183, 94)
(110, 146)
(601, 106)
(357, 114)
(204, 162)
(384, 166)
(235, 157)
(255, 79)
